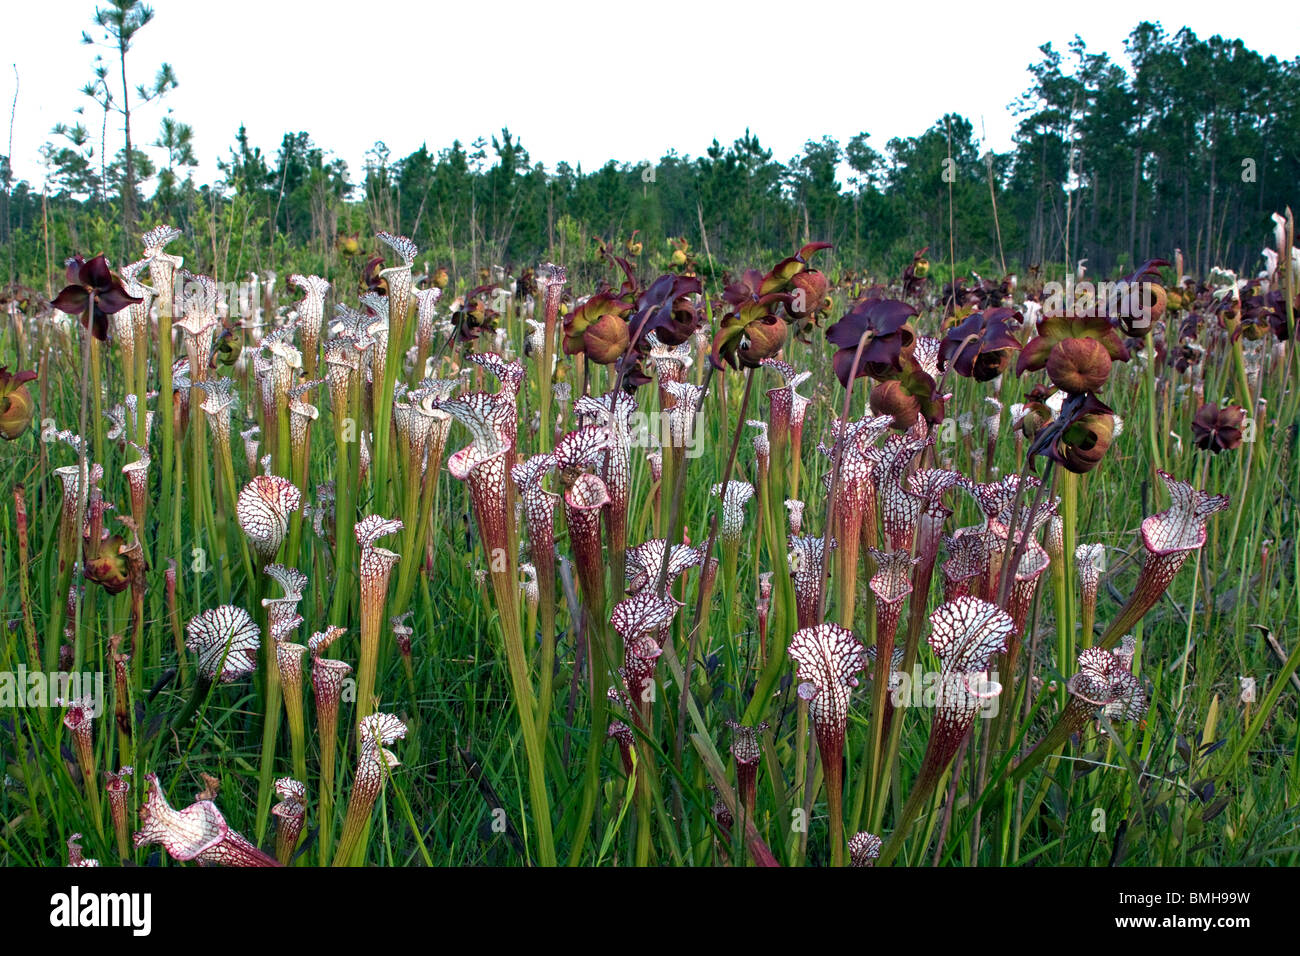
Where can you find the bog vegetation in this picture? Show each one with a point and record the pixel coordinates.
(693, 512)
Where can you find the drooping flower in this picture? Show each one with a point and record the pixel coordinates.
(891, 335)
(93, 278)
(199, 832)
(1060, 347)
(1169, 538)
(1217, 429)
(987, 356)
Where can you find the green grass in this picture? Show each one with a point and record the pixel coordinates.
(1207, 779)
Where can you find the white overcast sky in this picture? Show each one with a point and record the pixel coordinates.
(578, 81)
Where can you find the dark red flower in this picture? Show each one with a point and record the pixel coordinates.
(985, 358)
(1218, 429)
(891, 337)
(93, 278)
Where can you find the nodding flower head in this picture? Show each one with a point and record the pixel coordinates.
(829, 657)
(1104, 683)
(645, 560)
(89, 280)
(1218, 429)
(1169, 537)
(199, 832)
(263, 509)
(864, 847)
(733, 508)
(226, 639)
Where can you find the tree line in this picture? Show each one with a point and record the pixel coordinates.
(1193, 147)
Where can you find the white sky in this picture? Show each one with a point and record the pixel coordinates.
(577, 80)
